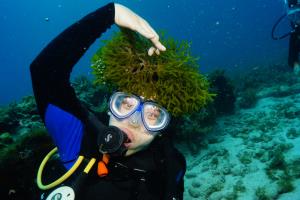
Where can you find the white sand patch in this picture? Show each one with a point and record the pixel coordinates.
(251, 140)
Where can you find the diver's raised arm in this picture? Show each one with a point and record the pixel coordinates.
(51, 69)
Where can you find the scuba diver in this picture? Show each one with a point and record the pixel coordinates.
(75, 130)
(131, 158)
(293, 14)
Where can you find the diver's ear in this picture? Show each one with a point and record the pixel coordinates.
(109, 113)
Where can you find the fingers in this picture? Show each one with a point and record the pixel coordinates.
(157, 43)
(152, 50)
(157, 52)
(155, 40)
(147, 31)
(126, 18)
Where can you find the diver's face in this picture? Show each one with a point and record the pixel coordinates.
(133, 127)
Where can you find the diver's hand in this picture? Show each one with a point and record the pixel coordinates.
(126, 18)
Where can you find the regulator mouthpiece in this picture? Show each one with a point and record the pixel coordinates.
(112, 141)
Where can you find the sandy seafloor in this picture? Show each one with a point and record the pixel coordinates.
(249, 134)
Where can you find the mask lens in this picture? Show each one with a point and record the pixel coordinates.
(123, 104)
(155, 117)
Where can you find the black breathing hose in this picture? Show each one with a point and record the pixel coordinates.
(275, 26)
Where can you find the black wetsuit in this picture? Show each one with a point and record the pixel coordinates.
(294, 46)
(294, 43)
(72, 130)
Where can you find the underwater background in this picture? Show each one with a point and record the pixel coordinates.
(232, 34)
(246, 145)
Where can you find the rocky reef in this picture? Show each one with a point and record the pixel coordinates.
(256, 153)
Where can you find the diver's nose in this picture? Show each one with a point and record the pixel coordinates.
(135, 119)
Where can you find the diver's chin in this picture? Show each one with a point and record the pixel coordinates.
(130, 152)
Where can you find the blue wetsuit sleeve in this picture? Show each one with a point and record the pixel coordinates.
(57, 103)
(67, 133)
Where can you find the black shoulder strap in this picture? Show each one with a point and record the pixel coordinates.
(93, 126)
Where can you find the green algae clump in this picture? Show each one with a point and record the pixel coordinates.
(172, 79)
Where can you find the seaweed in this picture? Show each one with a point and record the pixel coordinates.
(172, 79)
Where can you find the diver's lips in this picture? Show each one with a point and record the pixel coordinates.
(127, 145)
(129, 136)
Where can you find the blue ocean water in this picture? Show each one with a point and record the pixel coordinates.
(232, 35)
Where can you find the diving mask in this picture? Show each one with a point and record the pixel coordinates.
(153, 116)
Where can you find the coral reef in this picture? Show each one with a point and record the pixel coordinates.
(19, 163)
(261, 77)
(261, 194)
(20, 118)
(262, 145)
(95, 97)
(191, 129)
(248, 98)
(222, 86)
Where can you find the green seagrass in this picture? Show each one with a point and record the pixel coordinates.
(171, 79)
